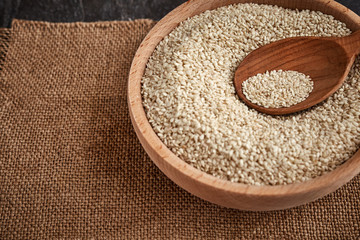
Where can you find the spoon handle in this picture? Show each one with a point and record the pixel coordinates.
(351, 43)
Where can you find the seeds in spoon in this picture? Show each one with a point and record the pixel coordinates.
(278, 88)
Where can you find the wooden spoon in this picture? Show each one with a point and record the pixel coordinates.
(326, 60)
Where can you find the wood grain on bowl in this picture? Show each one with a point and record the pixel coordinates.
(225, 193)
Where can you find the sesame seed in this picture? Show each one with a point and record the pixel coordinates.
(191, 103)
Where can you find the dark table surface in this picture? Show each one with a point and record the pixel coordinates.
(96, 10)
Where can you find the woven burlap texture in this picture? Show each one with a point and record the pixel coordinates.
(72, 167)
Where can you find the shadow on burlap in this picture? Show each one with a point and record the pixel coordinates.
(72, 167)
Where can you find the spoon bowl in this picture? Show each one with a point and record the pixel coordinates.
(326, 60)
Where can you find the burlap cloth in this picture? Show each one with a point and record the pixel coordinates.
(72, 167)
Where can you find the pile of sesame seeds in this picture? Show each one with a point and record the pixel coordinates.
(277, 88)
(190, 99)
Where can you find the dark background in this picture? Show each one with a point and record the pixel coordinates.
(96, 10)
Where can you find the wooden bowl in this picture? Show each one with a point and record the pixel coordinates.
(222, 192)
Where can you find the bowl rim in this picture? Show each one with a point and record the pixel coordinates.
(151, 142)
